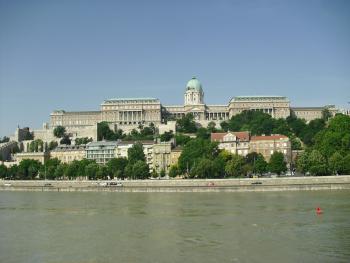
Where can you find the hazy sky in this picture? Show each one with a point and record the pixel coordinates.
(73, 54)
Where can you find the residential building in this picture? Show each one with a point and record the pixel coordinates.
(39, 156)
(267, 145)
(69, 153)
(101, 151)
(233, 142)
(161, 157)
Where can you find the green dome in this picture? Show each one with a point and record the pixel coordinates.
(194, 84)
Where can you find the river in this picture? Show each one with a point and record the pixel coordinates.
(175, 227)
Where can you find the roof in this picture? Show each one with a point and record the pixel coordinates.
(130, 99)
(194, 84)
(259, 98)
(134, 142)
(268, 137)
(218, 136)
(69, 148)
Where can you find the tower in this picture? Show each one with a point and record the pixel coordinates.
(194, 94)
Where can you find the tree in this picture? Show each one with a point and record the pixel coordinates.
(203, 133)
(140, 170)
(260, 165)
(135, 153)
(186, 124)
(181, 139)
(116, 167)
(28, 169)
(196, 149)
(59, 131)
(102, 172)
(162, 173)
(317, 163)
(4, 139)
(3, 171)
(52, 145)
(234, 166)
(65, 140)
(166, 136)
(174, 171)
(84, 140)
(277, 164)
(211, 127)
(302, 163)
(91, 171)
(60, 171)
(203, 168)
(336, 163)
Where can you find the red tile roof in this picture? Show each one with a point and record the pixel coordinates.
(218, 136)
(268, 137)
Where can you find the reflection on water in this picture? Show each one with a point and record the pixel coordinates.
(174, 227)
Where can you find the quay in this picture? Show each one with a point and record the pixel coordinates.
(184, 185)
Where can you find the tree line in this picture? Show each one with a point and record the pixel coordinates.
(133, 167)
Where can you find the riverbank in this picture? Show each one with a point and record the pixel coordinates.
(173, 185)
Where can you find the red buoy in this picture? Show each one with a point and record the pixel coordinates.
(319, 210)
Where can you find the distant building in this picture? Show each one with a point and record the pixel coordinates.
(233, 142)
(129, 113)
(242, 143)
(267, 145)
(101, 152)
(175, 155)
(161, 157)
(39, 156)
(68, 153)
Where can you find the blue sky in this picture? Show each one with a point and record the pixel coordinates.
(74, 54)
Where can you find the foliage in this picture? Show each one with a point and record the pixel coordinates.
(166, 136)
(36, 146)
(59, 131)
(116, 167)
(140, 170)
(196, 149)
(336, 163)
(174, 171)
(260, 166)
(277, 164)
(3, 171)
(84, 140)
(52, 145)
(105, 133)
(4, 139)
(181, 139)
(203, 168)
(28, 169)
(186, 124)
(135, 153)
(317, 163)
(65, 140)
(234, 167)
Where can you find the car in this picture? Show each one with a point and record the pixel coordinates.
(7, 184)
(256, 183)
(47, 184)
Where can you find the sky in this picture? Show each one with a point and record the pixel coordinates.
(73, 54)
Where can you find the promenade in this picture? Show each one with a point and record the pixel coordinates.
(185, 185)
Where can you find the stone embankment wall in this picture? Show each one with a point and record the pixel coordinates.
(199, 185)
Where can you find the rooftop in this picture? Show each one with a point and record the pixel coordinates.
(218, 136)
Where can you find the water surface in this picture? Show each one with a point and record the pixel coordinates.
(174, 227)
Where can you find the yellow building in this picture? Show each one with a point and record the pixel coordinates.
(39, 156)
(68, 153)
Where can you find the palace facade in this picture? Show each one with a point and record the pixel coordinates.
(128, 113)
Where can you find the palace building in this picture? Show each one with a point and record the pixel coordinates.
(129, 113)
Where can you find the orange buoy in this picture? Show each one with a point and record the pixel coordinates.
(319, 210)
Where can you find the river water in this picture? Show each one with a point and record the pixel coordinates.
(175, 227)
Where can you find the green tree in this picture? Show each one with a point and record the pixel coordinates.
(303, 163)
(116, 167)
(186, 124)
(135, 153)
(60, 171)
(28, 169)
(234, 167)
(91, 171)
(3, 171)
(336, 163)
(84, 140)
(318, 164)
(211, 127)
(203, 133)
(65, 140)
(166, 136)
(203, 168)
(59, 131)
(181, 139)
(140, 170)
(326, 114)
(196, 149)
(162, 173)
(52, 145)
(174, 171)
(260, 165)
(102, 172)
(277, 164)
